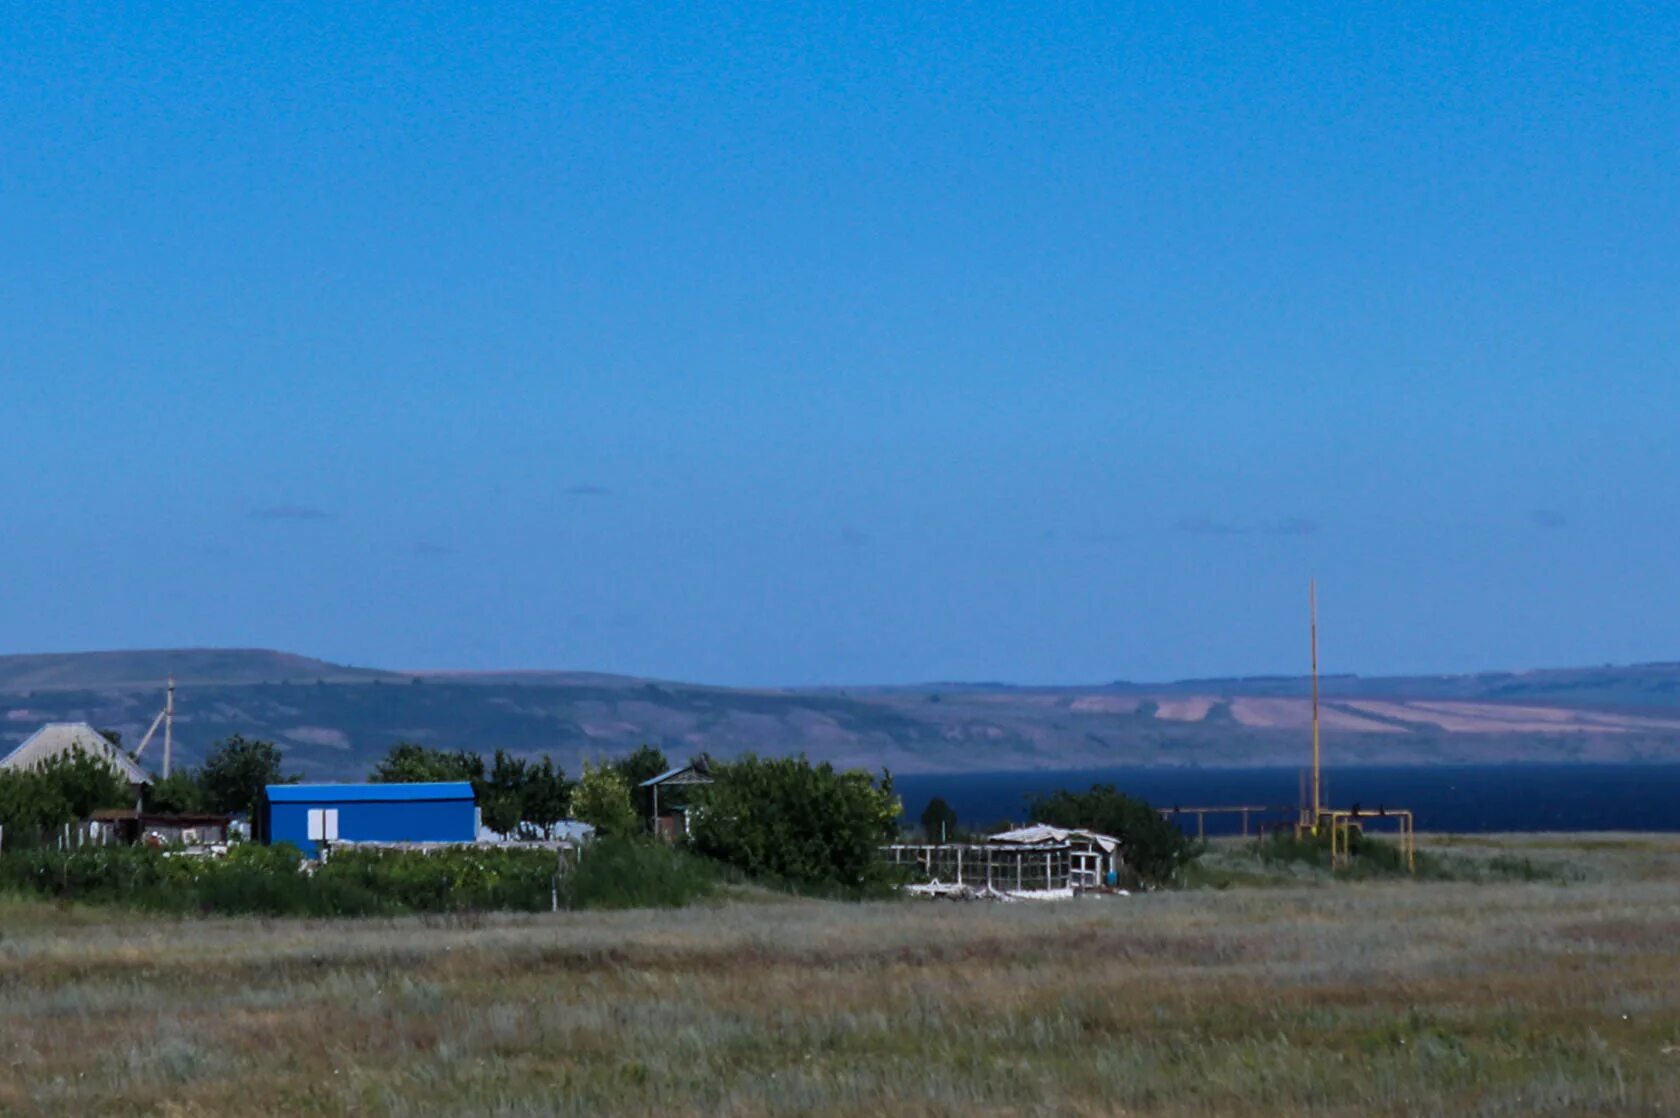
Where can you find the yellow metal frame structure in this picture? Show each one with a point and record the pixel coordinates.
(1245, 810)
(1342, 824)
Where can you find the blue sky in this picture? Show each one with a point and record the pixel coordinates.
(799, 343)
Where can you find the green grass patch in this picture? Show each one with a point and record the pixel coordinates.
(1287, 859)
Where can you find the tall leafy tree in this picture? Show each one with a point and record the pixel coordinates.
(645, 763)
(503, 793)
(409, 763)
(787, 819)
(548, 794)
(233, 777)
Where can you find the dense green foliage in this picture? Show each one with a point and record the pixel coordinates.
(408, 763)
(272, 880)
(511, 791)
(636, 873)
(180, 791)
(788, 820)
(36, 802)
(602, 799)
(86, 782)
(518, 792)
(233, 777)
(1150, 845)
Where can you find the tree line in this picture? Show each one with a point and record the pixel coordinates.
(783, 820)
(780, 818)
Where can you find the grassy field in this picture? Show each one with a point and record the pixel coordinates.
(1559, 994)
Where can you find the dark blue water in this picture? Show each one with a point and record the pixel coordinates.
(1461, 798)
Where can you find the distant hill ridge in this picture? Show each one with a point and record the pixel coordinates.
(335, 720)
(48, 671)
(141, 667)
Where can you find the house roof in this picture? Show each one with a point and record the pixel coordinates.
(369, 793)
(695, 772)
(60, 739)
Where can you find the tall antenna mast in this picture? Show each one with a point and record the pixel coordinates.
(1312, 607)
(168, 726)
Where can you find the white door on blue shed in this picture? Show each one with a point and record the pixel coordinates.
(323, 824)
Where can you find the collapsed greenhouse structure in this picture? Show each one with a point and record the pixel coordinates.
(1030, 862)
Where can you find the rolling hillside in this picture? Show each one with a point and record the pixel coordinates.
(335, 720)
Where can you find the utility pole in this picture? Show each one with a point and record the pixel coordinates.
(1312, 607)
(168, 726)
(165, 718)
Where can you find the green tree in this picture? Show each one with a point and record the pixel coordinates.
(790, 820)
(30, 805)
(602, 799)
(548, 794)
(236, 772)
(178, 792)
(408, 763)
(503, 793)
(939, 821)
(86, 782)
(1150, 845)
(645, 763)
(65, 789)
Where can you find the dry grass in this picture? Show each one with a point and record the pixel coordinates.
(1374, 999)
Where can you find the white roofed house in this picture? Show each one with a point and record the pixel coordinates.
(63, 739)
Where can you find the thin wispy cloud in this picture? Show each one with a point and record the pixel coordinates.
(1208, 526)
(587, 491)
(290, 512)
(1547, 518)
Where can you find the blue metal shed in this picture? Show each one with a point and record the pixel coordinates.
(306, 815)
